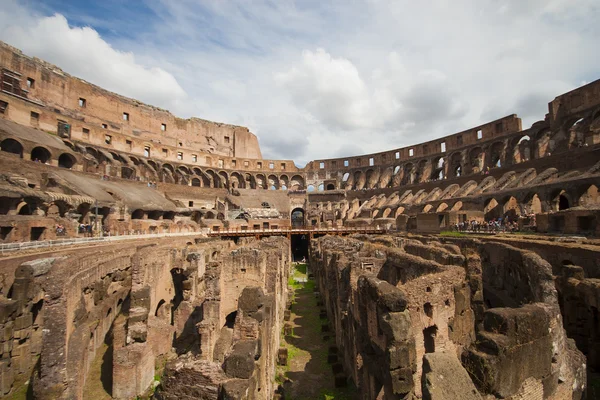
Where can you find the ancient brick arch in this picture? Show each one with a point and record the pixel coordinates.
(297, 183)
(13, 146)
(273, 181)
(455, 165)
(261, 181)
(497, 156)
(476, 160)
(587, 195)
(41, 154)
(385, 180)
(237, 181)
(409, 174)
(359, 180)
(284, 182)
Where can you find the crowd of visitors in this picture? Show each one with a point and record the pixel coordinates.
(501, 224)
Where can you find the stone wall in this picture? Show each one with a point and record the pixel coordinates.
(152, 301)
(488, 306)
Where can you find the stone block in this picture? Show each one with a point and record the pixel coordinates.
(522, 325)
(402, 380)
(235, 389)
(138, 332)
(402, 355)
(7, 310)
(6, 376)
(24, 321)
(239, 363)
(282, 356)
(133, 370)
(396, 325)
(444, 378)
(6, 331)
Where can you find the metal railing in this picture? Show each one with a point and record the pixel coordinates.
(294, 230)
(12, 247)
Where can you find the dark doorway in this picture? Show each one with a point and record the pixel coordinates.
(299, 245)
(40, 154)
(563, 203)
(11, 146)
(66, 161)
(230, 319)
(429, 338)
(36, 233)
(298, 218)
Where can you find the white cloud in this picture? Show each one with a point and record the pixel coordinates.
(83, 53)
(318, 79)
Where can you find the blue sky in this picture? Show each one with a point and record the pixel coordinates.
(316, 79)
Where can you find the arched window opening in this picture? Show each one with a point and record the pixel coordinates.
(66, 160)
(330, 186)
(563, 202)
(40, 154)
(11, 146)
(137, 214)
(310, 188)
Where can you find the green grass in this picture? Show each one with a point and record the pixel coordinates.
(311, 324)
(453, 234)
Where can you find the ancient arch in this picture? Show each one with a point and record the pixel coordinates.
(456, 167)
(237, 181)
(476, 160)
(40, 154)
(359, 180)
(297, 183)
(66, 160)
(496, 155)
(196, 182)
(522, 149)
(438, 169)
(12, 146)
(589, 197)
(273, 182)
(442, 207)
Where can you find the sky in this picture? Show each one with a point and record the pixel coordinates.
(320, 79)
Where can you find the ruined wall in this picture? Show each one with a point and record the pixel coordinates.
(84, 105)
(408, 309)
(150, 301)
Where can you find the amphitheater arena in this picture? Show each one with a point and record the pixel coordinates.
(148, 256)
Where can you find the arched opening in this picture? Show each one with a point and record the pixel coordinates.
(321, 187)
(522, 150)
(297, 218)
(66, 160)
(137, 214)
(563, 202)
(491, 209)
(127, 173)
(25, 209)
(511, 208)
(330, 186)
(155, 214)
(429, 339)
(590, 197)
(345, 177)
(230, 319)
(196, 182)
(428, 309)
(162, 310)
(40, 154)
(11, 146)
(310, 188)
(437, 170)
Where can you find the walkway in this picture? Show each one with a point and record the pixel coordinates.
(287, 231)
(308, 376)
(11, 247)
